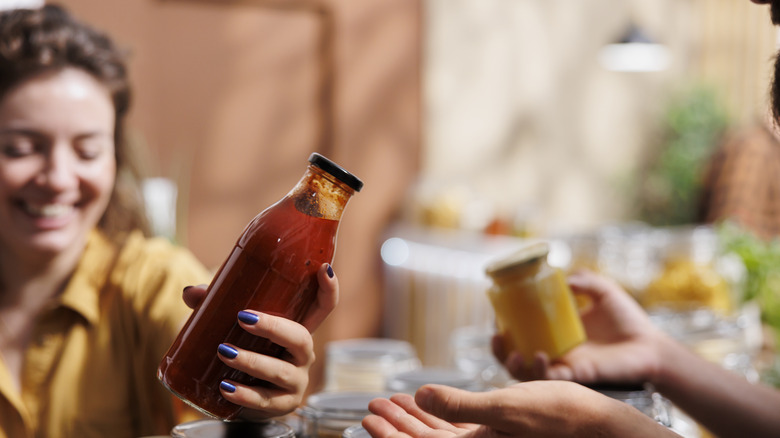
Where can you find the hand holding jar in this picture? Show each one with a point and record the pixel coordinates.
(620, 346)
(534, 307)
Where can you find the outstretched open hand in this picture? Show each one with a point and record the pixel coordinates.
(532, 409)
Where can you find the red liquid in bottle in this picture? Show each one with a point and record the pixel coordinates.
(272, 269)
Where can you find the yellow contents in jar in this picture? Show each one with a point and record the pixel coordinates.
(684, 283)
(534, 306)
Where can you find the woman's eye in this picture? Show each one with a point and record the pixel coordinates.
(88, 153)
(90, 149)
(17, 147)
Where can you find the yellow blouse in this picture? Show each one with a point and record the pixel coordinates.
(90, 370)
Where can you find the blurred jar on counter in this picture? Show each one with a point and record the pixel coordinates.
(628, 253)
(584, 252)
(365, 364)
(694, 274)
(410, 381)
(355, 432)
(472, 354)
(329, 414)
(533, 304)
(643, 398)
(227, 429)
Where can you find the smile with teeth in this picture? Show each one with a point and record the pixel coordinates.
(48, 210)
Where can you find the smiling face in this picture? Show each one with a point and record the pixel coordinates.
(57, 163)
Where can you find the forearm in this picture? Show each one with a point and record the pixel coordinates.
(722, 401)
(623, 420)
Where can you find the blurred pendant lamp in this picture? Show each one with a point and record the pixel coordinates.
(20, 4)
(634, 52)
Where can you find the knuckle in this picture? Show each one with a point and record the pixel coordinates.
(252, 361)
(285, 376)
(262, 401)
(271, 324)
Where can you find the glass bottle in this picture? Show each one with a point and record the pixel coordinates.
(272, 269)
(534, 306)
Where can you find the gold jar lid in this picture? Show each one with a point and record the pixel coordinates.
(527, 254)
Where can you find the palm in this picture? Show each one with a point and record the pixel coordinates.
(409, 421)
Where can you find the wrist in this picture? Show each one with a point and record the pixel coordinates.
(668, 355)
(619, 419)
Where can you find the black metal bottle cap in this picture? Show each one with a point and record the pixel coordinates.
(334, 169)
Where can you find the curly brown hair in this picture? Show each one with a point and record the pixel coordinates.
(35, 41)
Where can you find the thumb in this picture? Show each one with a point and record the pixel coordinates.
(194, 295)
(456, 405)
(592, 285)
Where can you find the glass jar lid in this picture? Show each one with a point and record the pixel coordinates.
(370, 349)
(356, 431)
(410, 381)
(525, 255)
(339, 405)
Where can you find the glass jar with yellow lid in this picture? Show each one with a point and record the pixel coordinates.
(534, 306)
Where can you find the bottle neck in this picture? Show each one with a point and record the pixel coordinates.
(320, 194)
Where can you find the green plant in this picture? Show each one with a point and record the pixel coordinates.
(762, 264)
(762, 283)
(692, 126)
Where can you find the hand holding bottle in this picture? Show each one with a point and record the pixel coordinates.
(272, 270)
(290, 374)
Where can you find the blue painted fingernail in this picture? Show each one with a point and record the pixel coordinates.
(227, 387)
(247, 317)
(227, 351)
(330, 271)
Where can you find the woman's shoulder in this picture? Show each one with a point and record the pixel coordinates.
(136, 247)
(148, 264)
